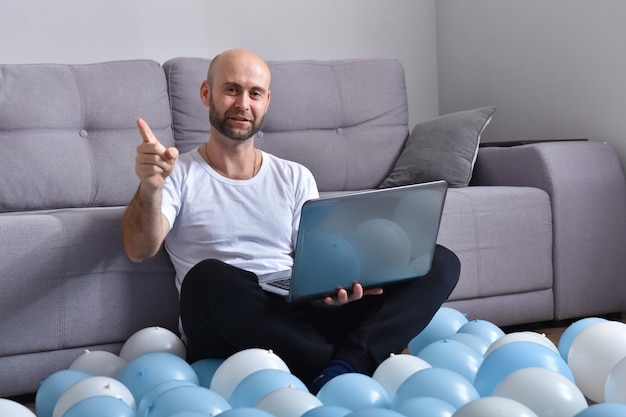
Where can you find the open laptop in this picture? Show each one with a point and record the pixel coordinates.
(372, 237)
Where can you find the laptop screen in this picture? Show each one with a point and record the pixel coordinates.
(372, 237)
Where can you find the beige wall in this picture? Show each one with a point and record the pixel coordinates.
(554, 69)
(82, 31)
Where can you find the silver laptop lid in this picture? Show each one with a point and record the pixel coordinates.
(372, 237)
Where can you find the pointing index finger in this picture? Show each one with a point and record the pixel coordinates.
(146, 132)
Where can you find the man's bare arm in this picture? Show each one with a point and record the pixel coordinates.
(144, 227)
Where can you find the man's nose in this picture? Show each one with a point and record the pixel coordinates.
(243, 102)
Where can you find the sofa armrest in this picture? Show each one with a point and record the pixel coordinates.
(587, 191)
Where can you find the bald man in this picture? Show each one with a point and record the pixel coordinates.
(228, 212)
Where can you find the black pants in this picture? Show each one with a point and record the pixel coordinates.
(223, 311)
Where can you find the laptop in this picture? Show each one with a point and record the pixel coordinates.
(372, 237)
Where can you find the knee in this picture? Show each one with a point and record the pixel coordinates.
(215, 279)
(197, 277)
(447, 257)
(447, 265)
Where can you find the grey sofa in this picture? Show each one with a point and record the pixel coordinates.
(540, 231)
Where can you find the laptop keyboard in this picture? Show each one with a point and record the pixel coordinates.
(283, 283)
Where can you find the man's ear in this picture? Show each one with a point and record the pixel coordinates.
(205, 92)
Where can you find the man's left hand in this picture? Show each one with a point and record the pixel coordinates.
(344, 297)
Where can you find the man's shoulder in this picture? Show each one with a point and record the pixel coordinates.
(291, 174)
(285, 163)
(186, 161)
(188, 156)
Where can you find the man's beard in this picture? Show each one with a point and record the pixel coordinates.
(220, 123)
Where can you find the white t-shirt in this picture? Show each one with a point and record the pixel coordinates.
(251, 224)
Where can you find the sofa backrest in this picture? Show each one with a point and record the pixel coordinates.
(346, 120)
(68, 134)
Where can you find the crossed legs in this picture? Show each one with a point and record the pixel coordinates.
(223, 311)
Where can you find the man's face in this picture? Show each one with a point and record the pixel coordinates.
(238, 98)
(234, 123)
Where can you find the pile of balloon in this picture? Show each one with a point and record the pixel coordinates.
(455, 368)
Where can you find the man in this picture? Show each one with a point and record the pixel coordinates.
(228, 212)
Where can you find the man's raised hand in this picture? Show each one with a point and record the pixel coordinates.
(154, 162)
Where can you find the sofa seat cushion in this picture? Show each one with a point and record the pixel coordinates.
(509, 309)
(24, 372)
(66, 274)
(477, 224)
(503, 237)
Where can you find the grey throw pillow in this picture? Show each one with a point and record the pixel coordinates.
(443, 148)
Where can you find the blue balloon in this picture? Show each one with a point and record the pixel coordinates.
(190, 414)
(243, 412)
(477, 343)
(573, 330)
(260, 383)
(100, 406)
(188, 398)
(514, 356)
(354, 391)
(425, 406)
(150, 396)
(447, 385)
(53, 387)
(453, 355)
(374, 412)
(482, 328)
(147, 371)
(205, 369)
(327, 411)
(446, 321)
(603, 410)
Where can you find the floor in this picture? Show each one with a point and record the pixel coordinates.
(552, 330)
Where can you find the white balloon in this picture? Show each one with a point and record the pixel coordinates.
(594, 353)
(615, 387)
(91, 387)
(494, 407)
(10, 408)
(288, 402)
(99, 363)
(522, 337)
(546, 392)
(394, 370)
(152, 339)
(238, 366)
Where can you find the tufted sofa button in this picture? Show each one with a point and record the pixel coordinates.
(339, 131)
(83, 133)
(260, 134)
